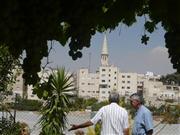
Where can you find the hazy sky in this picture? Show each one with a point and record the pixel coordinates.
(125, 51)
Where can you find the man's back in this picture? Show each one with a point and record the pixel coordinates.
(114, 119)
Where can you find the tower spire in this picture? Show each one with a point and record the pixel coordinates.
(104, 53)
(105, 46)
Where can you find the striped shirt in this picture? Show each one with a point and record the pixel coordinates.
(114, 119)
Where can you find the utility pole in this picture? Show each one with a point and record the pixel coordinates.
(89, 62)
(15, 105)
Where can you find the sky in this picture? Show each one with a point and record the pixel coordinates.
(125, 51)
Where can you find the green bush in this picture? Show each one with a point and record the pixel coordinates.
(98, 128)
(97, 106)
(8, 127)
(169, 100)
(27, 105)
(82, 104)
(90, 102)
(171, 114)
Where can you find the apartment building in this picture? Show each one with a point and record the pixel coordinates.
(109, 77)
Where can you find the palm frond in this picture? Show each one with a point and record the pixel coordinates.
(54, 112)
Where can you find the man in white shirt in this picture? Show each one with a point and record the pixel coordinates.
(114, 118)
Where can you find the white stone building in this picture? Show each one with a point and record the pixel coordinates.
(87, 84)
(109, 77)
(26, 92)
(18, 86)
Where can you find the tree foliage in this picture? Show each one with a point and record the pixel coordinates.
(80, 103)
(171, 114)
(8, 125)
(7, 65)
(27, 105)
(27, 25)
(171, 79)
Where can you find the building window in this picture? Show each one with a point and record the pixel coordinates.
(82, 83)
(103, 69)
(115, 78)
(109, 70)
(109, 86)
(122, 87)
(102, 86)
(115, 72)
(109, 80)
(123, 76)
(90, 83)
(109, 75)
(128, 81)
(168, 87)
(97, 91)
(128, 87)
(128, 76)
(123, 81)
(82, 91)
(103, 80)
(103, 92)
(175, 88)
(114, 84)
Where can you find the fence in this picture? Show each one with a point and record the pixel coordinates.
(76, 117)
(31, 118)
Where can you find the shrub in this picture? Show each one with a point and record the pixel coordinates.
(27, 105)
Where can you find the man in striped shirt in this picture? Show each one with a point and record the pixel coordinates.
(114, 118)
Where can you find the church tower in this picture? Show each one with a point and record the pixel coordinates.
(104, 53)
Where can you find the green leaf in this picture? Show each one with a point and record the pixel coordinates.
(150, 26)
(45, 93)
(144, 39)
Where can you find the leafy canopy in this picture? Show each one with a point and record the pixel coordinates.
(7, 65)
(27, 25)
(171, 79)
